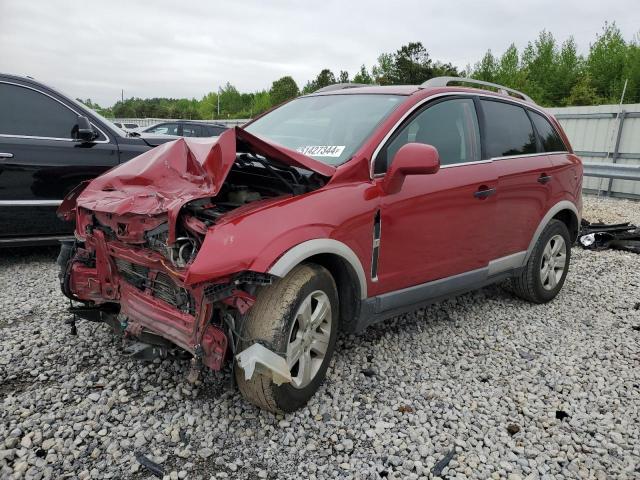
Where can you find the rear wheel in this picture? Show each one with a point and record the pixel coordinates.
(544, 274)
(297, 317)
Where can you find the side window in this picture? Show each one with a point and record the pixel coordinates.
(551, 141)
(28, 112)
(215, 131)
(165, 129)
(191, 130)
(508, 130)
(451, 126)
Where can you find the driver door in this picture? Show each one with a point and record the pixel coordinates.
(438, 225)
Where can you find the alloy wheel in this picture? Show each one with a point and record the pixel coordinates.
(309, 338)
(554, 261)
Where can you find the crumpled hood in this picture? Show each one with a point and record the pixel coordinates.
(170, 175)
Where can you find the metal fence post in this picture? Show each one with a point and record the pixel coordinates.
(616, 149)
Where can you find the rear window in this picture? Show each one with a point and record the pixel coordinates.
(551, 141)
(508, 130)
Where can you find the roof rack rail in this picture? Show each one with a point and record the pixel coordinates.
(445, 81)
(340, 86)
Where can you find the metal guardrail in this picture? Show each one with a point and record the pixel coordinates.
(611, 170)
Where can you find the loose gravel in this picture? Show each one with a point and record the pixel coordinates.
(480, 386)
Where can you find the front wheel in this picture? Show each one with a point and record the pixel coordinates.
(296, 317)
(544, 274)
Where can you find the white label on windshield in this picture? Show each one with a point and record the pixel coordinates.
(322, 150)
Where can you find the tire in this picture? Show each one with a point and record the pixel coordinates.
(531, 284)
(277, 318)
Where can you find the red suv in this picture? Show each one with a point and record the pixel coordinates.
(331, 212)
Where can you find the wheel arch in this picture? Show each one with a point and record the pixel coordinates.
(566, 212)
(343, 265)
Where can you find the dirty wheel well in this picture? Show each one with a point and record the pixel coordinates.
(570, 220)
(347, 284)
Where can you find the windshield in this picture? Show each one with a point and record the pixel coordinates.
(329, 128)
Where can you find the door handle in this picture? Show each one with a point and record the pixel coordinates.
(484, 193)
(544, 178)
(6, 155)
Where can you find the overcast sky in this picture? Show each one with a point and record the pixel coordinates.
(187, 48)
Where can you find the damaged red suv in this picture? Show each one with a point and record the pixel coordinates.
(334, 211)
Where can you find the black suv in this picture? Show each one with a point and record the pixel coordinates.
(186, 128)
(48, 144)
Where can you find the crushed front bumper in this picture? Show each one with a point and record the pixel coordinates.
(145, 293)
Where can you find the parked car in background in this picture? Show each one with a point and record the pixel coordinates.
(48, 144)
(186, 128)
(127, 126)
(331, 212)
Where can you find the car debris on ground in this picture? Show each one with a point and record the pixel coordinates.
(601, 236)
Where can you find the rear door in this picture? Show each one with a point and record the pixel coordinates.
(39, 160)
(437, 225)
(524, 174)
(563, 176)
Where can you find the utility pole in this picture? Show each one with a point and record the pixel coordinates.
(122, 95)
(218, 102)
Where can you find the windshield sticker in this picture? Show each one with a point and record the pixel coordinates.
(322, 150)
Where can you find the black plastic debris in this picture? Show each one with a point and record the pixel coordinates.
(561, 415)
(368, 372)
(513, 428)
(601, 236)
(154, 468)
(442, 463)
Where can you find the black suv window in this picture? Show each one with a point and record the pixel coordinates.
(165, 129)
(215, 131)
(508, 130)
(191, 130)
(451, 126)
(551, 141)
(28, 112)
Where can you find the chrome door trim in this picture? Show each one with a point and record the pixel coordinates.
(30, 203)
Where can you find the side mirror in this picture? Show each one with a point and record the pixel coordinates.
(83, 130)
(411, 159)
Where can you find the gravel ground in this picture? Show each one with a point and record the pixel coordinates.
(498, 387)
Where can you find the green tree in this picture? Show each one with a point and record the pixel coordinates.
(568, 72)
(412, 64)
(324, 79)
(262, 102)
(486, 68)
(507, 71)
(583, 93)
(283, 89)
(363, 76)
(383, 71)
(606, 63)
(343, 77)
(231, 102)
(632, 71)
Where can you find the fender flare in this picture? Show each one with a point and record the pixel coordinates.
(304, 250)
(562, 205)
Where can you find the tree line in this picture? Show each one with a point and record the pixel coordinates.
(553, 74)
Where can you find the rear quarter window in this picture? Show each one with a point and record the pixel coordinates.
(551, 141)
(508, 130)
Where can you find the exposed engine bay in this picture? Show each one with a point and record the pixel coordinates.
(251, 179)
